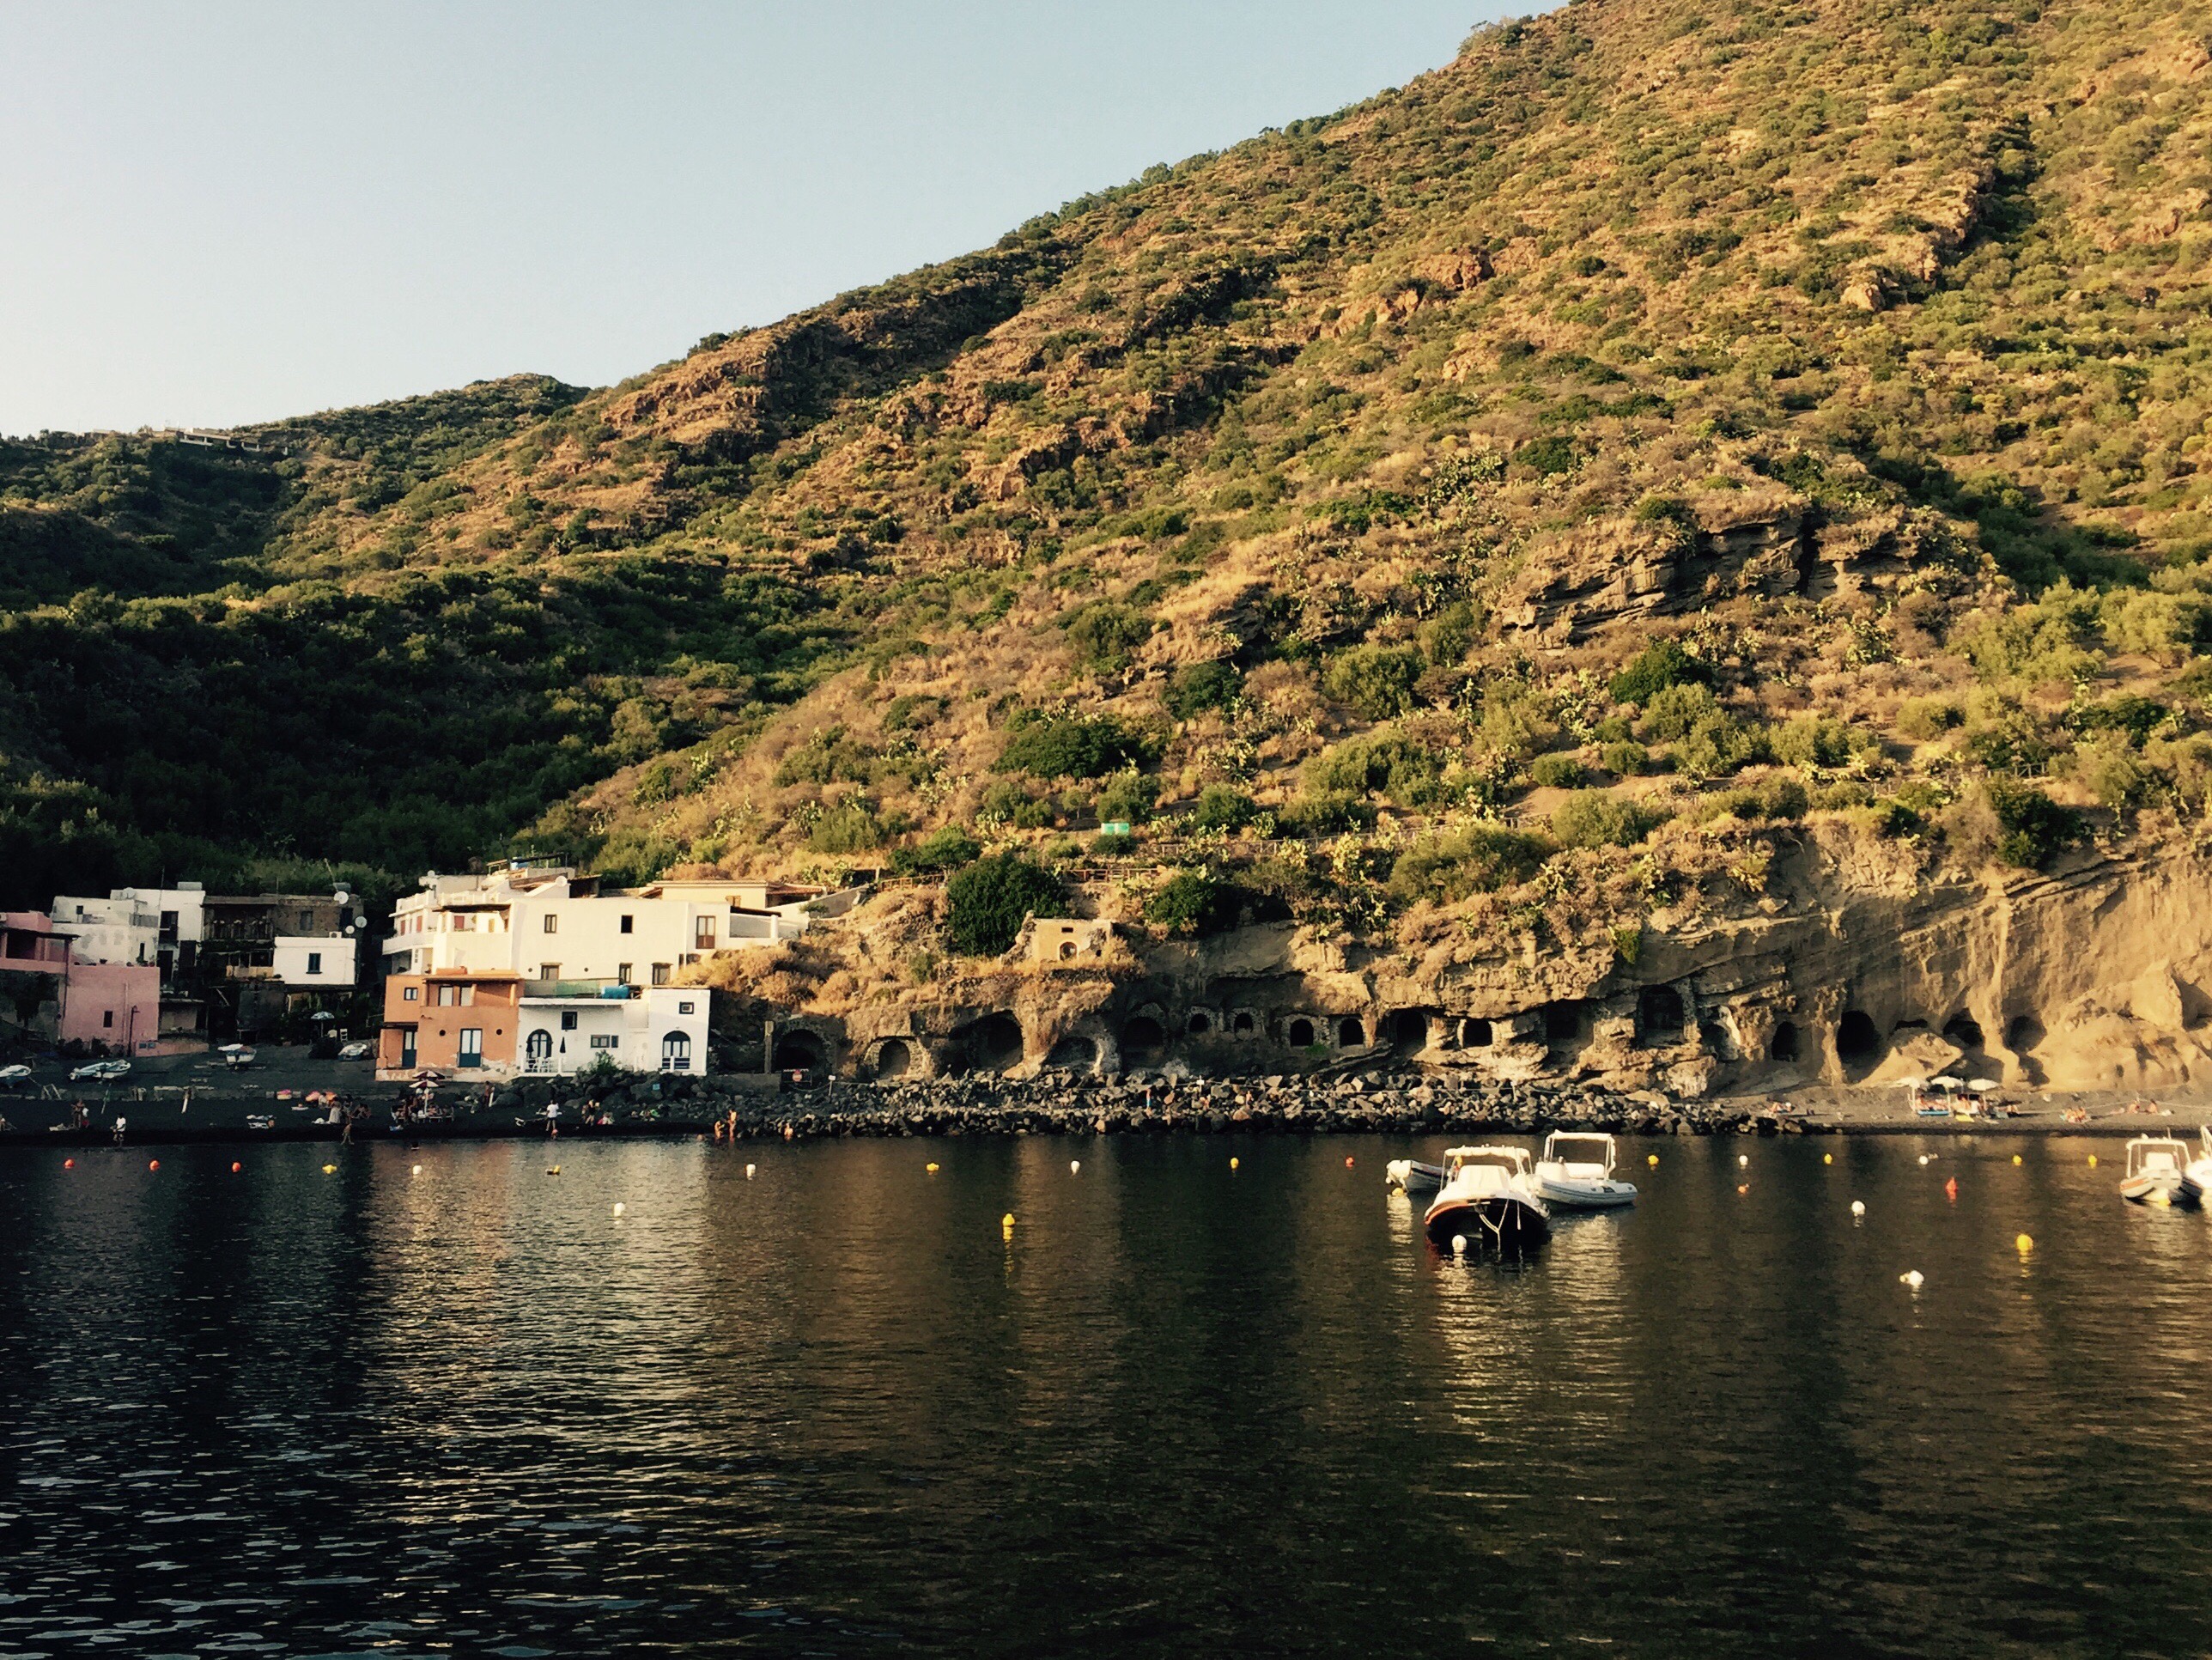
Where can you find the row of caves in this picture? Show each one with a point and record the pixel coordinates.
(1659, 1033)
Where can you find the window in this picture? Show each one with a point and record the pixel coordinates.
(702, 934)
(412, 994)
(471, 1046)
(548, 970)
(314, 962)
(552, 923)
(448, 996)
(568, 1019)
(660, 972)
(468, 995)
(622, 974)
(306, 922)
(107, 1017)
(168, 921)
(625, 925)
(603, 1040)
(683, 1008)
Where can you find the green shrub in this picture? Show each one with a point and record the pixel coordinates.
(1778, 796)
(1925, 719)
(1068, 745)
(1191, 902)
(1556, 772)
(1447, 637)
(1386, 764)
(1376, 681)
(2033, 829)
(1812, 740)
(1202, 686)
(2135, 716)
(2111, 770)
(1625, 759)
(1010, 803)
(1653, 670)
(1128, 799)
(1550, 455)
(1114, 845)
(1105, 632)
(986, 902)
(944, 849)
(1674, 711)
(1595, 818)
(847, 828)
(1480, 859)
(1328, 812)
(1222, 808)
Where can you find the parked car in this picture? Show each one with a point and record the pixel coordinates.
(96, 1071)
(354, 1052)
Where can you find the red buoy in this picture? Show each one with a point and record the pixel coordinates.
(1347, 1163)
(69, 1164)
(153, 1164)
(235, 1167)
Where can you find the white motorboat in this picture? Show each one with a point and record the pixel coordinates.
(1411, 1175)
(2158, 1171)
(1488, 1198)
(2196, 1175)
(1575, 1172)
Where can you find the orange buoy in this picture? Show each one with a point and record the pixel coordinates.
(235, 1167)
(69, 1164)
(153, 1164)
(1743, 1190)
(1347, 1163)
(1950, 1188)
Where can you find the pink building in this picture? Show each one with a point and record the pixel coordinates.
(118, 1004)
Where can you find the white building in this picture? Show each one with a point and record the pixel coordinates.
(315, 962)
(567, 1028)
(158, 925)
(553, 924)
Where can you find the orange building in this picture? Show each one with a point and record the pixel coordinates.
(457, 1020)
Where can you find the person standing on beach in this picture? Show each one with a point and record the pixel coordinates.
(119, 1122)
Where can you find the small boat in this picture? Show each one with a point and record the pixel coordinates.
(2196, 1177)
(1411, 1175)
(2158, 1171)
(1488, 1198)
(1576, 1173)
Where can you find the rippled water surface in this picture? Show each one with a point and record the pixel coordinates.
(834, 1410)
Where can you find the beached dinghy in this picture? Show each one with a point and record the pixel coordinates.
(1576, 1173)
(2158, 1171)
(1488, 1198)
(1411, 1175)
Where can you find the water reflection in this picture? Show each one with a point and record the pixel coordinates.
(834, 1409)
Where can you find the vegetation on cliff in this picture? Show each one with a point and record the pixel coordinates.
(1513, 497)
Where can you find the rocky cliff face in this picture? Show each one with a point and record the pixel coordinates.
(1855, 964)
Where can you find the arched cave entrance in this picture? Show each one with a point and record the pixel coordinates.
(1409, 1031)
(1476, 1034)
(1299, 1033)
(1242, 1024)
(1964, 1030)
(2025, 1032)
(1142, 1040)
(1856, 1041)
(1783, 1044)
(1074, 1052)
(894, 1059)
(798, 1051)
(1200, 1022)
(995, 1041)
(1352, 1032)
(1713, 1038)
(1659, 1015)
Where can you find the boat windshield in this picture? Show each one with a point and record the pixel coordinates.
(2145, 1158)
(1581, 1150)
(1505, 1161)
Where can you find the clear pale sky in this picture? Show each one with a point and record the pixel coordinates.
(221, 212)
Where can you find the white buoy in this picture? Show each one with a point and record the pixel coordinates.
(1742, 1160)
(418, 1170)
(1459, 1244)
(1075, 1167)
(1859, 1208)
(619, 1209)
(749, 1172)
(1924, 1158)
(1913, 1278)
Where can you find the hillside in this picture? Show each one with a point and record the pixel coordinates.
(1659, 441)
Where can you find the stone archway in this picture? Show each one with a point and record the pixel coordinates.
(1144, 1040)
(996, 1041)
(893, 1058)
(799, 1050)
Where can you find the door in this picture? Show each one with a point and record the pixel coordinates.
(407, 1049)
(676, 1052)
(539, 1050)
(472, 1047)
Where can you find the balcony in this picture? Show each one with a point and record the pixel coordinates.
(611, 991)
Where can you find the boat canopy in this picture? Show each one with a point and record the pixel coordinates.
(2156, 1152)
(1579, 1147)
(1505, 1158)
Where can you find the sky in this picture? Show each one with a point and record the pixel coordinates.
(218, 213)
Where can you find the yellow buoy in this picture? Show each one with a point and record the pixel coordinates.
(2093, 1161)
(1652, 1160)
(2022, 1244)
(1828, 1157)
(2016, 1159)
(931, 1169)
(552, 1169)
(1232, 1164)
(329, 1170)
